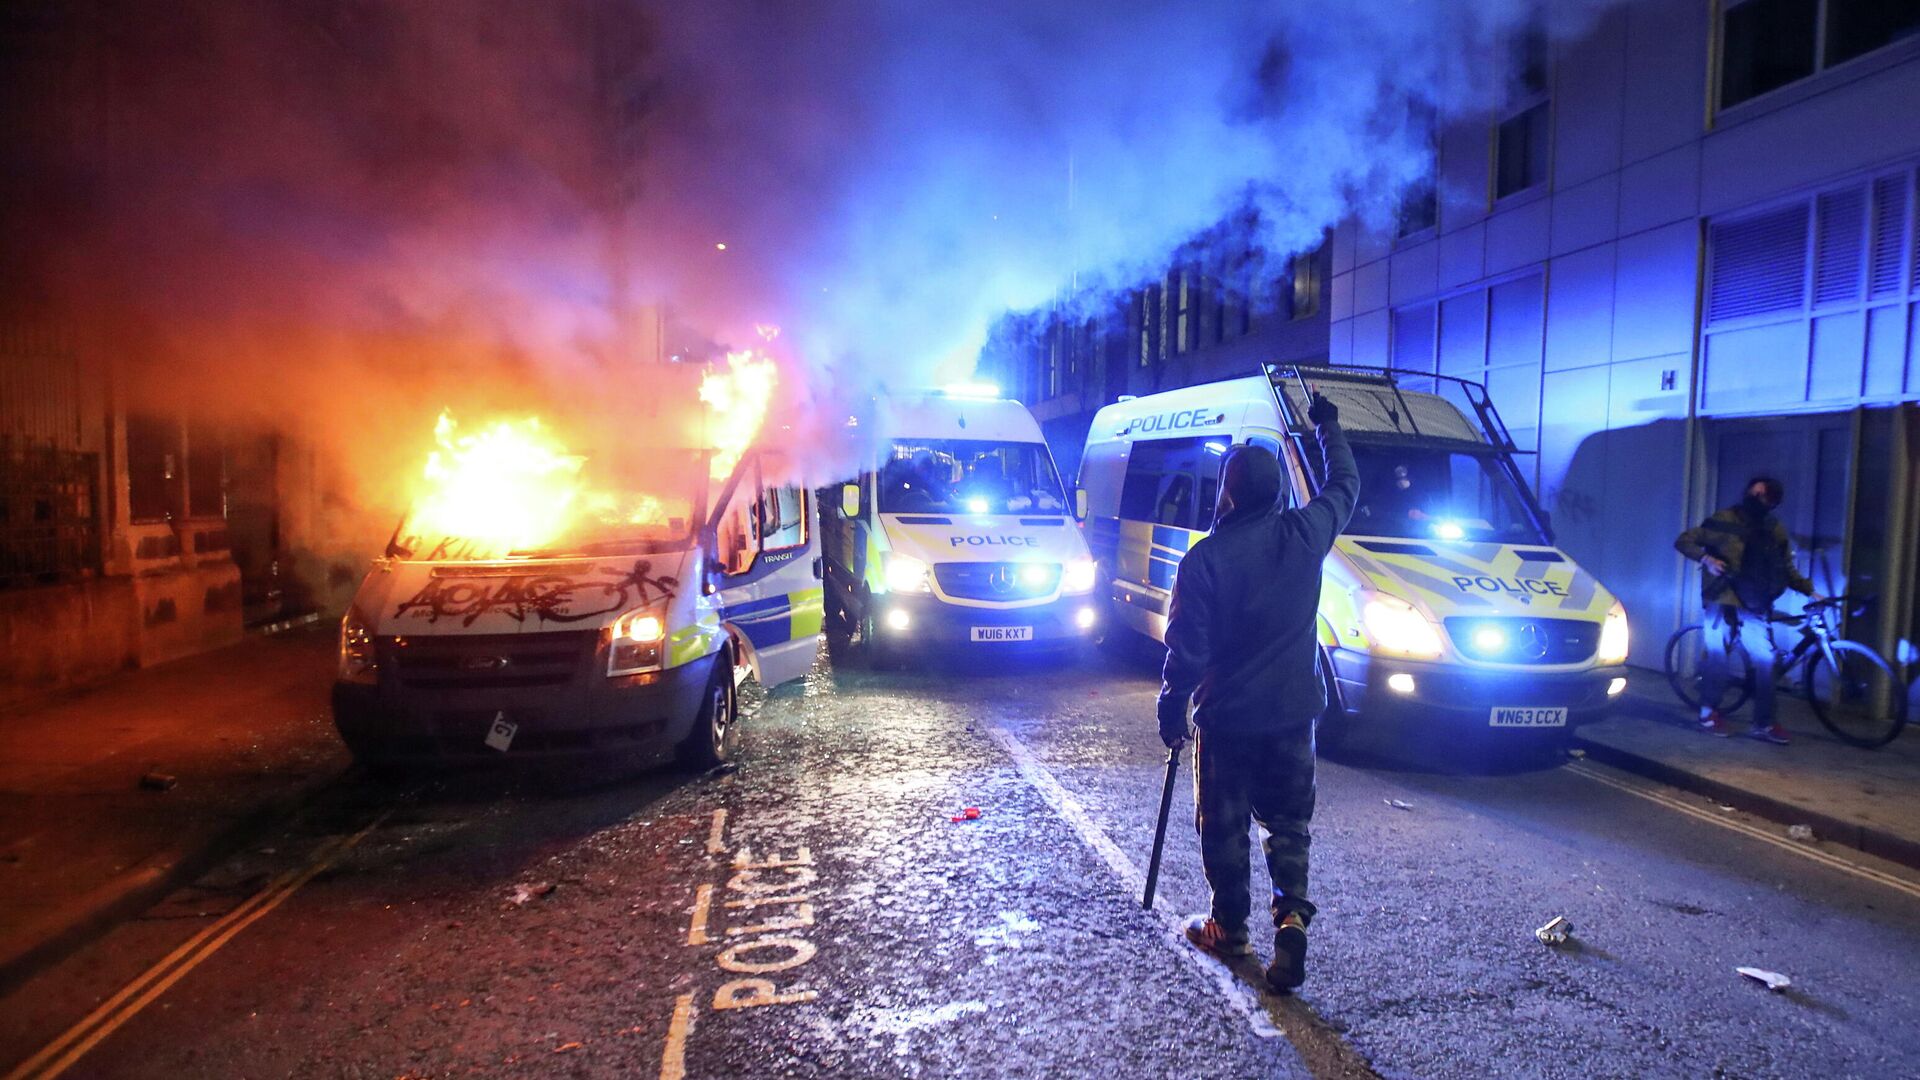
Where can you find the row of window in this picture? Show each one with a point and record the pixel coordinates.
(1763, 45)
(1186, 311)
(174, 470)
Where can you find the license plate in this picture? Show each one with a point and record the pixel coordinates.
(1003, 633)
(1509, 717)
(500, 735)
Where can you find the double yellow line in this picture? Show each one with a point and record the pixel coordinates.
(60, 1055)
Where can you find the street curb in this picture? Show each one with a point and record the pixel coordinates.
(1866, 838)
(120, 899)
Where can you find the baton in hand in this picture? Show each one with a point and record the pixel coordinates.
(1160, 833)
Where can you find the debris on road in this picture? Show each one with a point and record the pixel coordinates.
(1556, 932)
(526, 891)
(1397, 804)
(1775, 981)
(971, 813)
(1800, 832)
(1576, 753)
(158, 781)
(564, 1048)
(1725, 809)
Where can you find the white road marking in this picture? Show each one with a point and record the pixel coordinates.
(61, 1054)
(1236, 993)
(1800, 848)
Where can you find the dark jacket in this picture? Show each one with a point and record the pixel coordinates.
(1759, 557)
(1240, 637)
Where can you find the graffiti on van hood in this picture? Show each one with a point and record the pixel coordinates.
(523, 597)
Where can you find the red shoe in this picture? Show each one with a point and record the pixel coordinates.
(1715, 724)
(1772, 733)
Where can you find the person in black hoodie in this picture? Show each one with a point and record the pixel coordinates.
(1241, 647)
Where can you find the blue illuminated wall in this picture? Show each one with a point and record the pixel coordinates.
(1674, 264)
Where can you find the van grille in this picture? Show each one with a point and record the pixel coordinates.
(487, 661)
(1522, 640)
(997, 580)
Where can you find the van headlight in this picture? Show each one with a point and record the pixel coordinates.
(358, 663)
(907, 574)
(1613, 636)
(1397, 628)
(1077, 577)
(636, 641)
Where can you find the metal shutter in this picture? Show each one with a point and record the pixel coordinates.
(1889, 235)
(1837, 252)
(1758, 264)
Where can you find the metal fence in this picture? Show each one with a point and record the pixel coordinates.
(49, 515)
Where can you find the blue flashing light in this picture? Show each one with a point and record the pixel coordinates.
(971, 390)
(1449, 530)
(1216, 448)
(976, 506)
(1490, 639)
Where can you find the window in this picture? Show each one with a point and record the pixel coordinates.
(969, 476)
(1173, 482)
(1303, 276)
(1147, 320)
(783, 518)
(1419, 208)
(1521, 140)
(153, 467)
(206, 473)
(1413, 492)
(1768, 44)
(1187, 311)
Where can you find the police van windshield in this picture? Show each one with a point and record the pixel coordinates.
(969, 476)
(651, 504)
(1429, 493)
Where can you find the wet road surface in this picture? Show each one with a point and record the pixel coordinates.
(818, 913)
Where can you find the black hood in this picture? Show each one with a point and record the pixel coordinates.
(1249, 484)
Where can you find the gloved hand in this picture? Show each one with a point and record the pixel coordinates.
(1321, 411)
(1173, 722)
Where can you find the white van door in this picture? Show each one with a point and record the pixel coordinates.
(765, 572)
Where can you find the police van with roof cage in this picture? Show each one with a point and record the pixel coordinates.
(1445, 597)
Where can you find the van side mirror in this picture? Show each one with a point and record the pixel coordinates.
(850, 500)
(1080, 504)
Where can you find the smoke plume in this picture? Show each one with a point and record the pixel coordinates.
(339, 216)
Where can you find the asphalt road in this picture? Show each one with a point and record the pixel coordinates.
(818, 913)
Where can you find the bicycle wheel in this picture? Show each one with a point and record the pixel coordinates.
(1686, 670)
(1863, 702)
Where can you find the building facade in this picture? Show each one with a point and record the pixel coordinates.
(1682, 255)
(1218, 313)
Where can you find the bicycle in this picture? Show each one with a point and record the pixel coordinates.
(1854, 692)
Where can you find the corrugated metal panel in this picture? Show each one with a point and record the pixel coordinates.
(39, 390)
(1890, 199)
(1758, 264)
(1841, 217)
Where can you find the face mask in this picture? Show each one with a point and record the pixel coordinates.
(1756, 506)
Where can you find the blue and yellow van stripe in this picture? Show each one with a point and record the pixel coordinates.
(775, 620)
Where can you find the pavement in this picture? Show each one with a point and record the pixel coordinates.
(818, 912)
(235, 739)
(1864, 799)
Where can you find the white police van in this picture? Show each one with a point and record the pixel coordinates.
(625, 635)
(1445, 597)
(959, 535)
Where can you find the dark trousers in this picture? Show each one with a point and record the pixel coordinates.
(1239, 779)
(1728, 629)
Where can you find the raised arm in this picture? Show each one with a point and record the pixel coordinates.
(1329, 511)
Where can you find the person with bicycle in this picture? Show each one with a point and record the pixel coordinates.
(1746, 562)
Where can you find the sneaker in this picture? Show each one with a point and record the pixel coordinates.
(1715, 724)
(1211, 937)
(1289, 967)
(1772, 733)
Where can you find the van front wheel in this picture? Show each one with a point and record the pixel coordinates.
(711, 742)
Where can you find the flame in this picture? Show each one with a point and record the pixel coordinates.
(509, 486)
(737, 398)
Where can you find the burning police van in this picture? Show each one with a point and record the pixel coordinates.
(1445, 599)
(959, 535)
(530, 606)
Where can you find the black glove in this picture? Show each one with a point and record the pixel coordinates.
(1173, 722)
(1321, 411)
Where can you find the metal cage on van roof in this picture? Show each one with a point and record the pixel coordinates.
(1393, 401)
